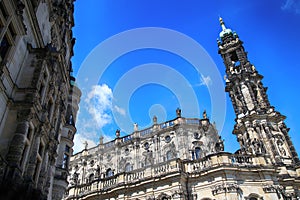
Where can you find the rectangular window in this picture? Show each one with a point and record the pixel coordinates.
(7, 31)
(50, 109)
(67, 149)
(26, 147)
(4, 46)
(41, 92)
(65, 161)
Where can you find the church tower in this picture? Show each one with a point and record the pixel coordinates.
(260, 130)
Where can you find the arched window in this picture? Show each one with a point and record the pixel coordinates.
(109, 172)
(169, 155)
(91, 178)
(254, 196)
(197, 152)
(128, 167)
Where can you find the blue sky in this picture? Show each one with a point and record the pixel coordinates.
(138, 83)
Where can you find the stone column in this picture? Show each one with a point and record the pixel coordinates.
(31, 167)
(16, 148)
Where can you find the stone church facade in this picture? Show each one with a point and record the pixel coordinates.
(38, 98)
(184, 158)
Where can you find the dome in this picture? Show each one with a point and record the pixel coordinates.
(225, 32)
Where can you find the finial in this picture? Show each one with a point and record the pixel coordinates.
(222, 23)
(225, 31)
(154, 119)
(135, 127)
(85, 145)
(178, 112)
(204, 114)
(101, 139)
(117, 133)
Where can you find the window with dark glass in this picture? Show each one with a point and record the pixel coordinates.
(128, 167)
(67, 149)
(197, 152)
(168, 138)
(4, 47)
(109, 173)
(91, 177)
(169, 155)
(65, 161)
(26, 147)
(7, 31)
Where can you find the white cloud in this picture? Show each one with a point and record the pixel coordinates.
(291, 5)
(79, 143)
(119, 110)
(99, 105)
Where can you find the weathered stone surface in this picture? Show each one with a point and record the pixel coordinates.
(35, 92)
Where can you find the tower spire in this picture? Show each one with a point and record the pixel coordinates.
(222, 23)
(259, 128)
(226, 32)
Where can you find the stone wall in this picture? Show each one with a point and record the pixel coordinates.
(35, 90)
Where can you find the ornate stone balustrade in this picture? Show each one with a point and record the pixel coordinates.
(135, 176)
(216, 160)
(145, 132)
(173, 167)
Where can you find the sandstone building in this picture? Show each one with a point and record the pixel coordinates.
(38, 98)
(184, 158)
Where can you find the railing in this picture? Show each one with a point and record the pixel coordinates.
(109, 144)
(145, 132)
(241, 160)
(127, 138)
(135, 176)
(192, 121)
(217, 160)
(175, 166)
(167, 124)
(132, 177)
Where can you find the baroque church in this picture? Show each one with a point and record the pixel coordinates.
(184, 158)
(38, 98)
